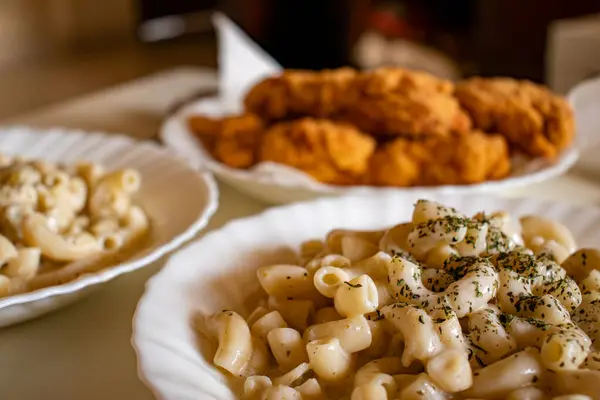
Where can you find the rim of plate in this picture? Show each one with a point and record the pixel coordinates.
(175, 124)
(110, 272)
(139, 340)
(581, 94)
(582, 87)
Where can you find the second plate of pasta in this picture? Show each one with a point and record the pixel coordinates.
(78, 209)
(394, 297)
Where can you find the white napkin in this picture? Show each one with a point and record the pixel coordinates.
(242, 62)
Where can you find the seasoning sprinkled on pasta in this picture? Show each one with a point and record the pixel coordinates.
(442, 306)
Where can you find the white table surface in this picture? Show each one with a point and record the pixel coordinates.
(84, 351)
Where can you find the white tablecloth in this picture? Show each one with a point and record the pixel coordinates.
(84, 352)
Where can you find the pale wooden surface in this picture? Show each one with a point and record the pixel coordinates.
(84, 352)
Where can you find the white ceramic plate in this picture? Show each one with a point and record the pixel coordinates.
(585, 98)
(276, 183)
(177, 211)
(219, 272)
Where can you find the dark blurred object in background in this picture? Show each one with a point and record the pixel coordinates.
(510, 35)
(160, 20)
(414, 34)
(491, 37)
(310, 34)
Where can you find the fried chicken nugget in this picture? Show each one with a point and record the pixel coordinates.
(297, 93)
(330, 152)
(232, 140)
(530, 116)
(460, 159)
(396, 101)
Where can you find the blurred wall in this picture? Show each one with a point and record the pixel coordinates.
(35, 28)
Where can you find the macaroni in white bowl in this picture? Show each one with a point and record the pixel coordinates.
(443, 306)
(57, 222)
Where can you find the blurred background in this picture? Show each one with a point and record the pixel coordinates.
(55, 49)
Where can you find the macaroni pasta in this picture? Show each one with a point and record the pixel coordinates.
(56, 221)
(442, 306)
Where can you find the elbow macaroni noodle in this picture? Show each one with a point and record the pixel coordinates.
(442, 307)
(56, 219)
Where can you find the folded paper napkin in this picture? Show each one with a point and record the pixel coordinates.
(242, 62)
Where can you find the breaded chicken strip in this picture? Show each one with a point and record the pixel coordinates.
(233, 140)
(530, 116)
(460, 159)
(415, 114)
(297, 93)
(385, 101)
(330, 152)
(396, 101)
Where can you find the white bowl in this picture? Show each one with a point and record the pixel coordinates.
(219, 272)
(275, 183)
(177, 209)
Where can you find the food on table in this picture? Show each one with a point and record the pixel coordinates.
(442, 306)
(467, 132)
(453, 160)
(531, 117)
(331, 152)
(57, 222)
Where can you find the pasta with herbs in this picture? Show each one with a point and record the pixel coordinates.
(444, 306)
(57, 222)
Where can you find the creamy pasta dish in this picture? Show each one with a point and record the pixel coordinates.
(445, 306)
(56, 221)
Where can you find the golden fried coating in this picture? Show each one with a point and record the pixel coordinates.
(297, 93)
(400, 81)
(455, 160)
(530, 116)
(330, 152)
(415, 114)
(233, 140)
(396, 101)
(385, 101)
